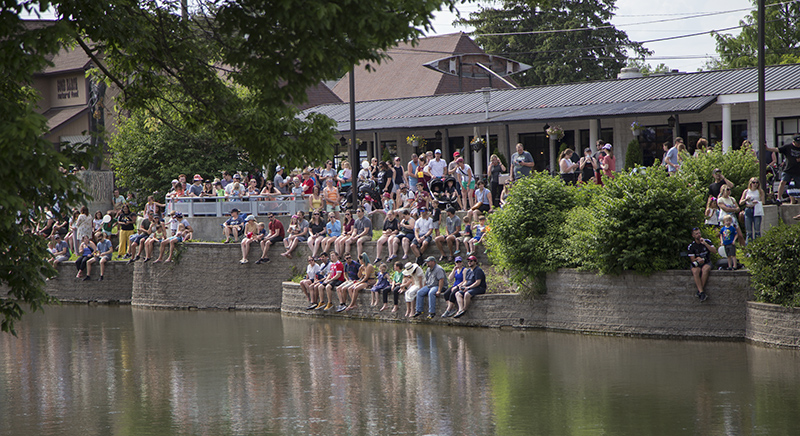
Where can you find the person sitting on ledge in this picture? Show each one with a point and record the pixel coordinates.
(333, 280)
(474, 284)
(413, 281)
(103, 254)
(276, 234)
(423, 234)
(351, 270)
(233, 226)
(86, 250)
(317, 286)
(435, 283)
(171, 241)
(699, 254)
(159, 235)
(366, 278)
(457, 276)
(306, 285)
(453, 227)
(256, 234)
(61, 253)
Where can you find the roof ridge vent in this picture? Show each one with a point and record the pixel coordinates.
(629, 73)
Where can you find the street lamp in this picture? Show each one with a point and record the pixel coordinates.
(487, 97)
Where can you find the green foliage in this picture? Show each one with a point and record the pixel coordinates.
(774, 265)
(563, 147)
(647, 69)
(527, 234)
(633, 157)
(553, 55)
(781, 38)
(30, 176)
(147, 154)
(738, 166)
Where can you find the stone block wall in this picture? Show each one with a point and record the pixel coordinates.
(662, 304)
(488, 310)
(773, 324)
(115, 287)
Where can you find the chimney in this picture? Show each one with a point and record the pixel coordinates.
(629, 73)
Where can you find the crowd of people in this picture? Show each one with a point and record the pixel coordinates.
(330, 273)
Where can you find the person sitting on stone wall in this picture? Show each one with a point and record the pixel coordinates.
(275, 235)
(146, 228)
(103, 254)
(334, 278)
(159, 235)
(423, 234)
(474, 284)
(61, 251)
(171, 241)
(413, 280)
(452, 226)
(317, 286)
(306, 284)
(233, 226)
(700, 256)
(301, 235)
(435, 284)
(253, 232)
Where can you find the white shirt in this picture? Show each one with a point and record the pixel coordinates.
(437, 167)
(312, 270)
(423, 225)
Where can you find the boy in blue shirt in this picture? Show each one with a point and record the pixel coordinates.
(727, 237)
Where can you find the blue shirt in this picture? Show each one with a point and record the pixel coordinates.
(238, 221)
(728, 235)
(334, 229)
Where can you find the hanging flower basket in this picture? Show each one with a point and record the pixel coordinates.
(555, 132)
(636, 128)
(477, 143)
(415, 141)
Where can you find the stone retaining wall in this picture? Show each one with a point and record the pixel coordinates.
(662, 304)
(773, 325)
(115, 287)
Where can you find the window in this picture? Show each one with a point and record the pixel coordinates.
(538, 146)
(606, 135)
(785, 129)
(738, 131)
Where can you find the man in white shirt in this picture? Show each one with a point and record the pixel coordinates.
(437, 165)
(423, 231)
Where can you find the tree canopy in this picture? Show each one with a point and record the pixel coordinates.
(781, 38)
(557, 53)
(164, 64)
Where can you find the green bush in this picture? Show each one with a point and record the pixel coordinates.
(527, 235)
(738, 166)
(633, 157)
(774, 265)
(643, 221)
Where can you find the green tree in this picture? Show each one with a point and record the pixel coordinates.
(781, 38)
(557, 57)
(647, 69)
(146, 154)
(633, 157)
(31, 176)
(159, 62)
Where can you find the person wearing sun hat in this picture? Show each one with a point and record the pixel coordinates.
(196, 189)
(412, 282)
(474, 284)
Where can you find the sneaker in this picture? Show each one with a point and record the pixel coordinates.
(259, 261)
(87, 278)
(320, 306)
(100, 279)
(457, 252)
(243, 261)
(431, 316)
(697, 294)
(146, 259)
(446, 314)
(417, 314)
(137, 258)
(130, 261)
(341, 308)
(266, 260)
(459, 314)
(377, 261)
(703, 297)
(391, 258)
(328, 307)
(311, 306)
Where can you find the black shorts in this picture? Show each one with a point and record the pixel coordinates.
(484, 207)
(334, 284)
(419, 243)
(275, 239)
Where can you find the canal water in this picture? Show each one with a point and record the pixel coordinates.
(78, 370)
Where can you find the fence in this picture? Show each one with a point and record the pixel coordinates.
(253, 205)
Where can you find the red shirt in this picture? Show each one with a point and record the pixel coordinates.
(308, 186)
(276, 225)
(336, 271)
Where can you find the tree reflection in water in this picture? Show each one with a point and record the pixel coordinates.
(78, 370)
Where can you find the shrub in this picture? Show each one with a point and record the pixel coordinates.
(644, 220)
(774, 265)
(527, 235)
(633, 157)
(738, 166)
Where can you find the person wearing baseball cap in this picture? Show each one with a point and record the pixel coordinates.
(457, 276)
(608, 163)
(197, 186)
(233, 226)
(474, 284)
(280, 182)
(437, 165)
(791, 172)
(435, 284)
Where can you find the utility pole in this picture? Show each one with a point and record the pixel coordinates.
(762, 104)
(354, 167)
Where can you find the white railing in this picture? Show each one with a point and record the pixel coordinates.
(252, 205)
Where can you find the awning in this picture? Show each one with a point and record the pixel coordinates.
(56, 117)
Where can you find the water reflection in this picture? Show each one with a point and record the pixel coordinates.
(80, 370)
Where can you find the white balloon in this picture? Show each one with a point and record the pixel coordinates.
(721, 251)
(107, 219)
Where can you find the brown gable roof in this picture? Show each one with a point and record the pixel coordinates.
(404, 76)
(317, 95)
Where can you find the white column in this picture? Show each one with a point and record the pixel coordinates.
(727, 135)
(553, 165)
(488, 150)
(594, 135)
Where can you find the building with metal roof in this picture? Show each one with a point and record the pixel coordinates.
(718, 105)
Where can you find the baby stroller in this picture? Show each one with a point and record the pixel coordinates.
(442, 191)
(365, 187)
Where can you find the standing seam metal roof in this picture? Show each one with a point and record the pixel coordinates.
(674, 92)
